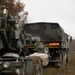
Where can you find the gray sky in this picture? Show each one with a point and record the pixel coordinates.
(60, 11)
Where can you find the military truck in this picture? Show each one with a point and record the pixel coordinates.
(54, 38)
(14, 57)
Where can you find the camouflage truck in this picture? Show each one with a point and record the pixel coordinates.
(54, 38)
(13, 52)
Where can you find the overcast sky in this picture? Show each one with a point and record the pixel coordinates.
(60, 11)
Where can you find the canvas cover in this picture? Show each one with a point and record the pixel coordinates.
(46, 31)
(44, 57)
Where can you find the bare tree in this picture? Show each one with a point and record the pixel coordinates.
(16, 9)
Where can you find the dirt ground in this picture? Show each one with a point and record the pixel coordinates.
(68, 69)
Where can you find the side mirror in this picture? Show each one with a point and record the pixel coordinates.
(69, 38)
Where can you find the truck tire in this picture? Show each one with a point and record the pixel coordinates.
(64, 59)
(67, 58)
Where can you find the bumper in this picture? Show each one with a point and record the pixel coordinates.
(55, 60)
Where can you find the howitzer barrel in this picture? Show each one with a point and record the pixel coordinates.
(7, 28)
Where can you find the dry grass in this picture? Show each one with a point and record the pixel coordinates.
(68, 69)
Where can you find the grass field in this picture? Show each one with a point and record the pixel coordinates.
(68, 69)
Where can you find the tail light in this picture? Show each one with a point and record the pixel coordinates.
(17, 64)
(54, 44)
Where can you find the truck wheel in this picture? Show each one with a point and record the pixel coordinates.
(67, 58)
(64, 59)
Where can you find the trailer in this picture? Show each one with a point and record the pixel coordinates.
(54, 38)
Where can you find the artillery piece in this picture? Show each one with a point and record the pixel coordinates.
(13, 50)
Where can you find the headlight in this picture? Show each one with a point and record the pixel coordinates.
(6, 64)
